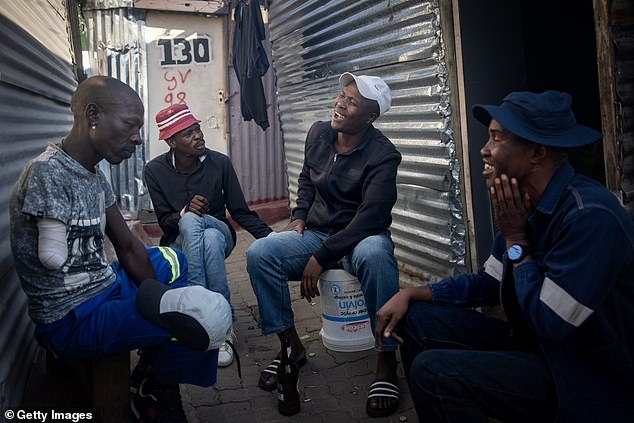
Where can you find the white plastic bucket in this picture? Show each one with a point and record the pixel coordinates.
(345, 320)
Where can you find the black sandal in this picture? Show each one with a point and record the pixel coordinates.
(268, 377)
(383, 389)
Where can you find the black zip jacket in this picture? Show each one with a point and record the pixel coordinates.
(214, 178)
(349, 194)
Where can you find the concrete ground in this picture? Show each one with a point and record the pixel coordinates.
(333, 385)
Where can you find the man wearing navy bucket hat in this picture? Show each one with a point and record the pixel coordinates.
(561, 265)
(345, 194)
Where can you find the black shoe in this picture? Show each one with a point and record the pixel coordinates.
(142, 370)
(158, 403)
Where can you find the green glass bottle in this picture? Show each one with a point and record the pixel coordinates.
(287, 382)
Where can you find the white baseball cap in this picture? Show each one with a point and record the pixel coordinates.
(370, 87)
(199, 318)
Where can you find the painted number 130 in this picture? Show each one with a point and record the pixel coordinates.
(180, 51)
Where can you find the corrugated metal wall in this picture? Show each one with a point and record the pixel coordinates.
(116, 49)
(36, 82)
(313, 43)
(623, 32)
(257, 155)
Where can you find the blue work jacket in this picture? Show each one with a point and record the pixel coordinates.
(575, 299)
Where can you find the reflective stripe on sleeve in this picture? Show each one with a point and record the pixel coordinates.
(563, 304)
(494, 267)
(172, 259)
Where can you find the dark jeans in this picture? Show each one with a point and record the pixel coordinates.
(461, 367)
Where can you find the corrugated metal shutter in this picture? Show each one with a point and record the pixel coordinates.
(401, 41)
(116, 48)
(36, 82)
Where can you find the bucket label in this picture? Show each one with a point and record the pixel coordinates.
(357, 327)
(344, 312)
(345, 300)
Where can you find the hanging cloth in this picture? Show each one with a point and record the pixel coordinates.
(250, 61)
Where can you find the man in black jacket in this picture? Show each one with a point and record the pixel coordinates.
(346, 191)
(191, 188)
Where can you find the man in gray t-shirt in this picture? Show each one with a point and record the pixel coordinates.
(61, 210)
(54, 186)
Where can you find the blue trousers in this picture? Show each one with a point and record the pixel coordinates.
(110, 323)
(461, 367)
(274, 260)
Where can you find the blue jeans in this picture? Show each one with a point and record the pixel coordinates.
(206, 242)
(274, 260)
(461, 367)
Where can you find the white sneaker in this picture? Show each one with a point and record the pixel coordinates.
(225, 352)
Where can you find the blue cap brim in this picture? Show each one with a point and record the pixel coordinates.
(575, 136)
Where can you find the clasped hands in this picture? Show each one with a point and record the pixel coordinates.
(198, 205)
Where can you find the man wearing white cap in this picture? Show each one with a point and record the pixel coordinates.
(192, 188)
(346, 191)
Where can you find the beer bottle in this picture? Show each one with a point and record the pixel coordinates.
(287, 380)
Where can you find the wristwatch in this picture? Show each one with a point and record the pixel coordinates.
(516, 252)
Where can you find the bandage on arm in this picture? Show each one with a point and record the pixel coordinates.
(52, 247)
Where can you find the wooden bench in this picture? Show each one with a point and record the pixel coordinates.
(109, 379)
(105, 379)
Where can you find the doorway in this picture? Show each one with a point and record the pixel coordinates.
(511, 45)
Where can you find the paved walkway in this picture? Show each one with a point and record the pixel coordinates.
(333, 385)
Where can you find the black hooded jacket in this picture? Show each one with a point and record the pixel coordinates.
(350, 194)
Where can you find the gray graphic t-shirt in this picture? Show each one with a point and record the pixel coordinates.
(55, 186)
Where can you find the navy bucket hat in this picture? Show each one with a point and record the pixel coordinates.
(544, 118)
